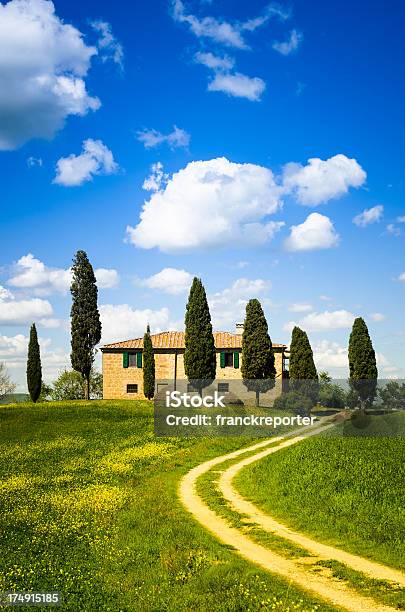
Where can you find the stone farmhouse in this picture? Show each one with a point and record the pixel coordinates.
(122, 362)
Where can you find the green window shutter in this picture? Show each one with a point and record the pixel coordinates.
(222, 360)
(139, 360)
(236, 360)
(125, 360)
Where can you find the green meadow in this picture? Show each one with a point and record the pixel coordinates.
(345, 487)
(88, 507)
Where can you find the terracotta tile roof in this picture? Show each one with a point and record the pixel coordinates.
(175, 339)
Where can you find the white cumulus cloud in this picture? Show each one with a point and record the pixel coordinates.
(107, 278)
(227, 307)
(122, 322)
(315, 233)
(168, 280)
(238, 85)
(323, 180)
(24, 312)
(32, 273)
(401, 277)
(331, 357)
(289, 46)
(175, 139)
(210, 203)
(43, 65)
(369, 215)
(95, 159)
(324, 321)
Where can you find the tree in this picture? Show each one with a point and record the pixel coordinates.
(148, 366)
(70, 385)
(258, 369)
(34, 369)
(393, 395)
(199, 355)
(362, 364)
(46, 392)
(6, 384)
(302, 370)
(330, 395)
(85, 318)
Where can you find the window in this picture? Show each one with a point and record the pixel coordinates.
(132, 388)
(223, 387)
(132, 360)
(229, 359)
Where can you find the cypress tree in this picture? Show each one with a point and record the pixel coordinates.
(85, 318)
(148, 366)
(362, 364)
(34, 369)
(258, 369)
(199, 355)
(302, 371)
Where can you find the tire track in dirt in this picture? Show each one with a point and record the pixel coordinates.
(326, 587)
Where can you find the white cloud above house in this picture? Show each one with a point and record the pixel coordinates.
(238, 85)
(43, 66)
(227, 307)
(315, 233)
(151, 138)
(122, 322)
(169, 280)
(324, 321)
(290, 45)
(32, 274)
(369, 215)
(109, 47)
(95, 159)
(210, 203)
(323, 180)
(332, 358)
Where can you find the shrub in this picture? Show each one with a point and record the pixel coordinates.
(294, 402)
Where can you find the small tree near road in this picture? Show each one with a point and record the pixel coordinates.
(85, 318)
(199, 354)
(148, 366)
(34, 369)
(258, 369)
(6, 384)
(362, 364)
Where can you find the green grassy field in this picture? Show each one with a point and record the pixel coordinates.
(88, 507)
(345, 488)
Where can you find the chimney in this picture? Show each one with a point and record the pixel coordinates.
(239, 328)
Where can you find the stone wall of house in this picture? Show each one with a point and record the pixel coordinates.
(116, 377)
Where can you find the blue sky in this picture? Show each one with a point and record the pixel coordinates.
(223, 105)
